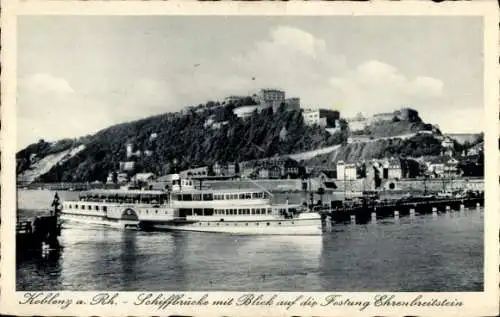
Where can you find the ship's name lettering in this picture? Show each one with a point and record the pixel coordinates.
(162, 301)
(40, 298)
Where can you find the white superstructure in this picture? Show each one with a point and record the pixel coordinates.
(239, 211)
(186, 208)
(119, 208)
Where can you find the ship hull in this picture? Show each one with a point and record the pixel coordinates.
(291, 227)
(99, 221)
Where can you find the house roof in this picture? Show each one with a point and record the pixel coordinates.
(168, 177)
(329, 173)
(394, 161)
(440, 159)
(345, 162)
(143, 175)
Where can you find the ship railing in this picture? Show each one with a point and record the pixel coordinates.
(261, 187)
(23, 227)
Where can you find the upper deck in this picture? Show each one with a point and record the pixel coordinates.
(125, 196)
(218, 194)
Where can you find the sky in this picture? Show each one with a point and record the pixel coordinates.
(80, 74)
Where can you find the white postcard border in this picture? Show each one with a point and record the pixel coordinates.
(481, 303)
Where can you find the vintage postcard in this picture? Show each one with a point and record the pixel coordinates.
(250, 159)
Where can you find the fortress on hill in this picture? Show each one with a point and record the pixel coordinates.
(360, 122)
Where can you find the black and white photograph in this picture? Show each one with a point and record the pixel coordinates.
(252, 153)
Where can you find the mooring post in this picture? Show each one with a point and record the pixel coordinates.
(328, 224)
(462, 207)
(434, 211)
(478, 206)
(396, 214)
(374, 217)
(353, 219)
(412, 213)
(448, 208)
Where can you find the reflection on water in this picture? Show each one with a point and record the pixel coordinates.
(444, 253)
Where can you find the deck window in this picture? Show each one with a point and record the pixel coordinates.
(96, 207)
(198, 211)
(208, 197)
(257, 195)
(197, 197)
(105, 208)
(242, 196)
(253, 211)
(83, 207)
(185, 212)
(208, 211)
(248, 196)
(269, 211)
(187, 197)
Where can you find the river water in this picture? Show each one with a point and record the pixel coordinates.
(443, 253)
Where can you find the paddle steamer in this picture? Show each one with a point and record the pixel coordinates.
(186, 208)
(126, 209)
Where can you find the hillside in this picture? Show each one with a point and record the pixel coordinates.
(464, 138)
(181, 141)
(203, 135)
(419, 145)
(395, 127)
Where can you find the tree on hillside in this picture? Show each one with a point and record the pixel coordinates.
(183, 137)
